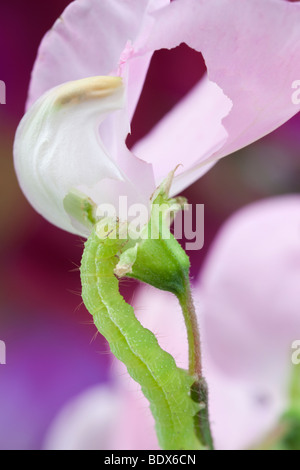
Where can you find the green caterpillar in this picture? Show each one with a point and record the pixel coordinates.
(167, 387)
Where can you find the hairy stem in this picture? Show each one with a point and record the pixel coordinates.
(191, 323)
(199, 391)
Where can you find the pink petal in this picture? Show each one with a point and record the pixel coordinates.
(250, 290)
(252, 52)
(189, 134)
(102, 418)
(88, 40)
(87, 422)
(92, 38)
(251, 49)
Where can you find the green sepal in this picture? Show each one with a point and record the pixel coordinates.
(81, 209)
(157, 258)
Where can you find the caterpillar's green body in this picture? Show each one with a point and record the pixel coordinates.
(166, 386)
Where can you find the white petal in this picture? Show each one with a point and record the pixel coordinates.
(57, 146)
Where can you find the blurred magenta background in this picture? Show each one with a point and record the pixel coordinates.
(52, 351)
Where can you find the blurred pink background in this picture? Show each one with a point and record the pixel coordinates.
(52, 351)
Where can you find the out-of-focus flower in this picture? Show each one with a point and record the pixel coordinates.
(87, 422)
(251, 49)
(250, 304)
(248, 301)
(105, 417)
(250, 290)
(43, 358)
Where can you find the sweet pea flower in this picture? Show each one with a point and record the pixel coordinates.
(248, 301)
(250, 290)
(252, 53)
(250, 309)
(104, 417)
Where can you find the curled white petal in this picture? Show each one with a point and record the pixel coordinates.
(58, 146)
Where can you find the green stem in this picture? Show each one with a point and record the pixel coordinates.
(199, 390)
(191, 323)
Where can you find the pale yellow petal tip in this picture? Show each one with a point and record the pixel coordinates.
(122, 270)
(86, 89)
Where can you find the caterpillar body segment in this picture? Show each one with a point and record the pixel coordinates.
(166, 386)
